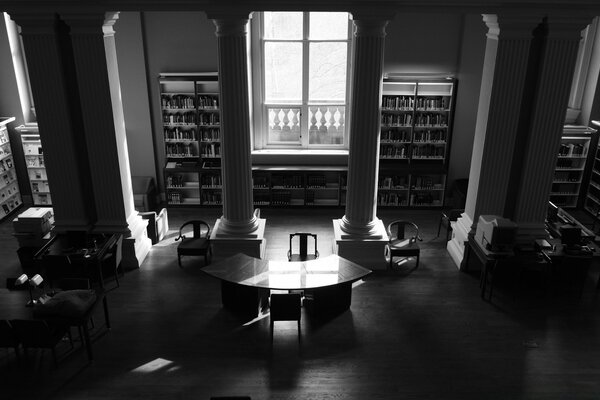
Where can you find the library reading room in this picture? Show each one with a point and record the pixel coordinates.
(289, 200)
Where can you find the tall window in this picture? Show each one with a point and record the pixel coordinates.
(301, 91)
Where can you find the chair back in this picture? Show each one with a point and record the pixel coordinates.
(402, 229)
(8, 337)
(200, 229)
(285, 306)
(303, 246)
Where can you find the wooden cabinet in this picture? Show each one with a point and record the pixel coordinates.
(10, 196)
(192, 138)
(416, 131)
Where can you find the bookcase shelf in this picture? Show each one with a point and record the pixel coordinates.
(191, 133)
(416, 131)
(36, 166)
(571, 162)
(10, 197)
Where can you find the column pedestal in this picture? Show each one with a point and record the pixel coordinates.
(460, 235)
(363, 250)
(225, 245)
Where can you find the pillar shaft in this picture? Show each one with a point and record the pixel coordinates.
(364, 129)
(236, 163)
(59, 119)
(555, 74)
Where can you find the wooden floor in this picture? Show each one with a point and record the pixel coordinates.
(422, 334)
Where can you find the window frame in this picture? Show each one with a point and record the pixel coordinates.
(260, 106)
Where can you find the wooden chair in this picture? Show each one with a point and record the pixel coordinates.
(285, 307)
(40, 334)
(302, 255)
(111, 262)
(403, 236)
(8, 337)
(198, 244)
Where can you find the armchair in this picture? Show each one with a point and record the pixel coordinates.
(198, 244)
(403, 237)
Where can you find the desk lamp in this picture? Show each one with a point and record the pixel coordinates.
(34, 282)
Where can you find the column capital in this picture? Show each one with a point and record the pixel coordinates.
(567, 26)
(110, 19)
(35, 23)
(84, 23)
(511, 26)
(231, 25)
(372, 25)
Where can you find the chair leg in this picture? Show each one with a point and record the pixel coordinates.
(179, 260)
(440, 226)
(271, 331)
(417, 266)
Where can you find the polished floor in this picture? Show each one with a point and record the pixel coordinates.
(410, 334)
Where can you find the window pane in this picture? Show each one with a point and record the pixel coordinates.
(328, 26)
(326, 124)
(282, 25)
(327, 72)
(283, 72)
(284, 125)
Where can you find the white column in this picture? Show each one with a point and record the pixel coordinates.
(503, 86)
(97, 77)
(554, 77)
(58, 119)
(360, 235)
(238, 230)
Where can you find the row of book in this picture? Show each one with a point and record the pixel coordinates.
(572, 150)
(211, 180)
(36, 161)
(435, 135)
(387, 151)
(186, 118)
(568, 163)
(211, 150)
(398, 102)
(180, 134)
(425, 182)
(175, 198)
(175, 181)
(424, 199)
(211, 102)
(6, 164)
(391, 199)
(428, 150)
(433, 103)
(393, 182)
(177, 101)
(210, 134)
(565, 176)
(395, 136)
(212, 198)
(431, 120)
(396, 120)
(180, 150)
(37, 187)
(37, 174)
(288, 181)
(209, 118)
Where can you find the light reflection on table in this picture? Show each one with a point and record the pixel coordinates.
(283, 275)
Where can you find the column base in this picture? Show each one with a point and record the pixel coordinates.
(226, 244)
(367, 251)
(460, 235)
(368, 232)
(137, 245)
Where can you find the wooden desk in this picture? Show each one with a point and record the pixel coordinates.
(12, 306)
(59, 258)
(489, 260)
(246, 281)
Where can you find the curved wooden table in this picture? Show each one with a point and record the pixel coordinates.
(246, 282)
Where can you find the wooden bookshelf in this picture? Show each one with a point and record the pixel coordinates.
(10, 197)
(36, 166)
(192, 138)
(569, 174)
(416, 131)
